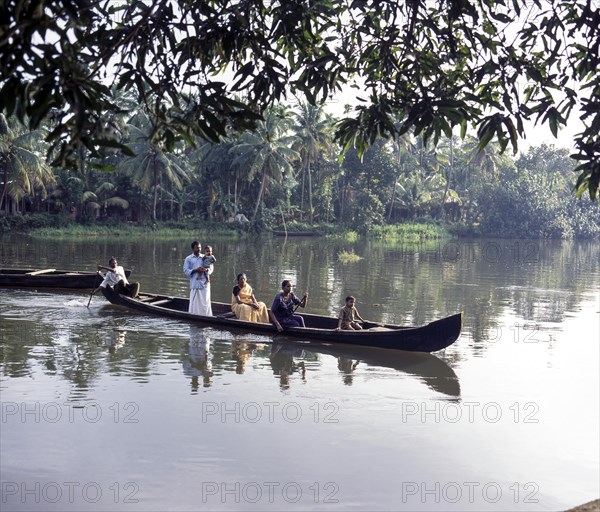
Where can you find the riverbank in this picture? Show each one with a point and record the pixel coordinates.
(45, 226)
(592, 506)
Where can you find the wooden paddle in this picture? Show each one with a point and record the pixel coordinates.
(300, 303)
(39, 272)
(92, 293)
(293, 311)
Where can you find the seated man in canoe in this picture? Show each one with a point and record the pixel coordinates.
(115, 277)
(284, 306)
(244, 303)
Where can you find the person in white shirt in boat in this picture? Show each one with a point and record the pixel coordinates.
(116, 278)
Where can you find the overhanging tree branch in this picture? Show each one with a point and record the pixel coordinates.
(488, 65)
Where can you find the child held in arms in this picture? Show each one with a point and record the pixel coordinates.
(207, 261)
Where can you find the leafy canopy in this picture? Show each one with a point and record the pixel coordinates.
(484, 64)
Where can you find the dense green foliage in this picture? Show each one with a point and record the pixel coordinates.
(534, 200)
(211, 68)
(263, 180)
(22, 223)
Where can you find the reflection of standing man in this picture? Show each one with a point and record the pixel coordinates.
(199, 361)
(115, 340)
(199, 288)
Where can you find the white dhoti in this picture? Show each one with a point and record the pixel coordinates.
(200, 301)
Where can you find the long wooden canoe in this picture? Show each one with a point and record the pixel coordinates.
(434, 336)
(49, 278)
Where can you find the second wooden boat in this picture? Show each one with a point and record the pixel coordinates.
(49, 278)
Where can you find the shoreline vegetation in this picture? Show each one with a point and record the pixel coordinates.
(35, 225)
(44, 225)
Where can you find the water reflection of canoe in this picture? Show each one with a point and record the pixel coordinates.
(434, 372)
(434, 336)
(49, 278)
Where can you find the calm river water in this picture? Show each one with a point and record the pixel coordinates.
(105, 409)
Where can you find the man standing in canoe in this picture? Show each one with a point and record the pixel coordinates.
(199, 288)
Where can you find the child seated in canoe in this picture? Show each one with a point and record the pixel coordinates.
(348, 314)
(207, 261)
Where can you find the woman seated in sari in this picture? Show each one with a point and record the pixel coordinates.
(244, 303)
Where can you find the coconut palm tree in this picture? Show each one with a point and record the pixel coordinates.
(71, 192)
(402, 146)
(419, 193)
(151, 168)
(313, 130)
(214, 173)
(22, 166)
(104, 197)
(266, 152)
(181, 197)
(482, 170)
(483, 161)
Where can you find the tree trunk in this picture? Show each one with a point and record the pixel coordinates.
(310, 199)
(448, 174)
(260, 193)
(342, 200)
(302, 193)
(392, 201)
(4, 198)
(162, 215)
(155, 199)
(141, 199)
(395, 183)
(235, 198)
(154, 202)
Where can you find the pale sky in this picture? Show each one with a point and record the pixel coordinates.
(536, 135)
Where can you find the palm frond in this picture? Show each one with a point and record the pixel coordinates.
(118, 202)
(88, 195)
